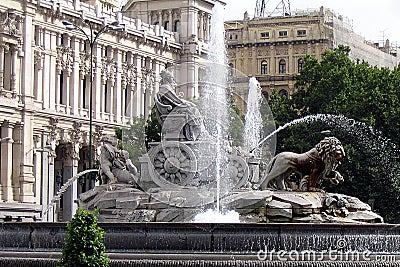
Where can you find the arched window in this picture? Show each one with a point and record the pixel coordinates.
(265, 95)
(177, 26)
(166, 25)
(264, 67)
(282, 66)
(284, 93)
(300, 63)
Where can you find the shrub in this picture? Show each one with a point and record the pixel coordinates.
(84, 243)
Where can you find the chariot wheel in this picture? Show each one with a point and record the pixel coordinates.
(238, 171)
(174, 164)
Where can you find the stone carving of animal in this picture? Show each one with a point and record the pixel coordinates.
(314, 166)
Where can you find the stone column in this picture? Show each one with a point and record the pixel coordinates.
(52, 66)
(75, 90)
(273, 68)
(137, 97)
(130, 102)
(70, 169)
(291, 63)
(170, 19)
(39, 76)
(200, 32)
(37, 168)
(26, 68)
(26, 178)
(6, 161)
(14, 61)
(118, 100)
(157, 71)
(17, 163)
(207, 33)
(160, 20)
(2, 50)
(97, 83)
(150, 86)
(48, 178)
(191, 76)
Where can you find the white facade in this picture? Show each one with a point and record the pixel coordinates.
(44, 89)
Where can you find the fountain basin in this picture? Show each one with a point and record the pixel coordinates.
(205, 244)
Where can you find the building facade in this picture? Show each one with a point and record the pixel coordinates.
(45, 82)
(272, 48)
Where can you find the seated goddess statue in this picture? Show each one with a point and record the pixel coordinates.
(169, 104)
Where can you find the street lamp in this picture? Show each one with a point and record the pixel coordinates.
(91, 38)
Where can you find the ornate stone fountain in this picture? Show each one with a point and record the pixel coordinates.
(176, 183)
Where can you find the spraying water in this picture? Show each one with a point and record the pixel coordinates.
(368, 137)
(214, 103)
(253, 124)
(381, 149)
(64, 188)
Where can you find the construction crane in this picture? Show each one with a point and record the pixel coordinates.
(281, 9)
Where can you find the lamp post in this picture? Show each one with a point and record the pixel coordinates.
(91, 37)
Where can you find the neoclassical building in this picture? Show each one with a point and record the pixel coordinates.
(45, 82)
(272, 48)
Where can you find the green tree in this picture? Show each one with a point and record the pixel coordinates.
(370, 95)
(84, 243)
(133, 139)
(152, 128)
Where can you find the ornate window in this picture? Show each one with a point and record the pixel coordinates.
(177, 26)
(85, 92)
(284, 93)
(265, 95)
(301, 32)
(166, 25)
(282, 66)
(264, 67)
(265, 35)
(61, 88)
(107, 97)
(283, 34)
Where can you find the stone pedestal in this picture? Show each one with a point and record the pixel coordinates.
(126, 203)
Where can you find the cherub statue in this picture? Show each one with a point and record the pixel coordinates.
(115, 165)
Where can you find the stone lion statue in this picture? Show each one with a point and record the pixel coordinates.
(314, 166)
(115, 165)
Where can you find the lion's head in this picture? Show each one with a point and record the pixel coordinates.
(331, 151)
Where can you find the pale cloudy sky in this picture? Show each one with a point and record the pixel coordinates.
(373, 19)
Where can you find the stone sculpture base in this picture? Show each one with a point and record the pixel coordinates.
(125, 203)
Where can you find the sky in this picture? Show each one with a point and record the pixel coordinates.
(375, 20)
